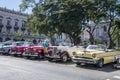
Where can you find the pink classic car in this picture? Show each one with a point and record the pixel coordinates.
(18, 50)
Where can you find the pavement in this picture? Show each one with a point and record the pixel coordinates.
(15, 68)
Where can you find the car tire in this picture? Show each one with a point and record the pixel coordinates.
(40, 56)
(77, 64)
(50, 59)
(100, 63)
(64, 58)
(15, 55)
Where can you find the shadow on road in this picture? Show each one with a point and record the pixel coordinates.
(105, 68)
(64, 63)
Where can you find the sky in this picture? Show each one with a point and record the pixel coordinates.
(12, 4)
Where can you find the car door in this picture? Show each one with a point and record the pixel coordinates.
(108, 57)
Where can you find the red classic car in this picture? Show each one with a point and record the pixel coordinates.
(19, 49)
(36, 51)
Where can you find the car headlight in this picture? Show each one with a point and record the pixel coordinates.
(117, 57)
(94, 55)
(34, 49)
(74, 53)
(25, 49)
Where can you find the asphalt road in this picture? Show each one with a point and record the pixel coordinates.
(12, 68)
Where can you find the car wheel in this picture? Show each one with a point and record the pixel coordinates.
(15, 55)
(27, 57)
(100, 63)
(77, 64)
(64, 58)
(50, 59)
(40, 56)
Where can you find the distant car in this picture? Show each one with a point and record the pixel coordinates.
(61, 53)
(5, 49)
(19, 49)
(97, 55)
(117, 64)
(35, 51)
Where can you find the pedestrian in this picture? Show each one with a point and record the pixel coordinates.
(34, 41)
(46, 45)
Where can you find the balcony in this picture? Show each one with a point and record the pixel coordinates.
(8, 26)
(23, 28)
(16, 27)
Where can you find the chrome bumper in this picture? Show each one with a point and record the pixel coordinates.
(52, 57)
(84, 60)
(30, 54)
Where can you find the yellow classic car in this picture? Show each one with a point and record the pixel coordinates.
(96, 54)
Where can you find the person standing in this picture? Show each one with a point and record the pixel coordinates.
(46, 45)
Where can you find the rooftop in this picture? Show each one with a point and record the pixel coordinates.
(13, 12)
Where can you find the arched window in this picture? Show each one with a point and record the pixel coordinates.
(1, 18)
(16, 22)
(8, 20)
(1, 39)
(7, 39)
(105, 29)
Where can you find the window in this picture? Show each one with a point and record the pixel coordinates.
(0, 21)
(8, 22)
(16, 23)
(8, 30)
(105, 29)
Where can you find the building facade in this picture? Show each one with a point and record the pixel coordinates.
(10, 22)
(100, 32)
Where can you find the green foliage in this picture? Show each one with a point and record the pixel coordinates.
(70, 16)
(28, 40)
(18, 34)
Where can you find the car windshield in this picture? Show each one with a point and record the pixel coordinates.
(18, 43)
(7, 44)
(27, 44)
(95, 47)
(1, 44)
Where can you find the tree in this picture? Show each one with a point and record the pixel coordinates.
(59, 17)
(116, 34)
(68, 19)
(93, 16)
(18, 35)
(110, 9)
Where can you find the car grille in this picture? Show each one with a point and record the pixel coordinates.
(83, 57)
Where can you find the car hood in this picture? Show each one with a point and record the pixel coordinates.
(87, 53)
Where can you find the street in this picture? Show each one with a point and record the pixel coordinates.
(15, 68)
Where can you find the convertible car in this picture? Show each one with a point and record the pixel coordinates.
(35, 51)
(19, 49)
(61, 53)
(96, 54)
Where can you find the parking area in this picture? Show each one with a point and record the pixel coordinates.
(16, 68)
